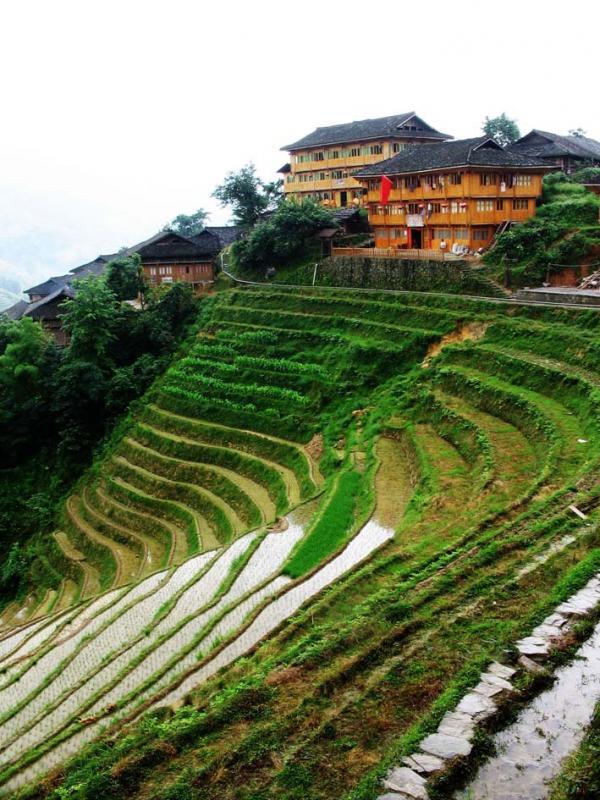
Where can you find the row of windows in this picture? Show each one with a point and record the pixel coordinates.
(505, 181)
(451, 207)
(346, 152)
(457, 234)
(435, 181)
(351, 195)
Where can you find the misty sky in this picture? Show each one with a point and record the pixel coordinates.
(118, 115)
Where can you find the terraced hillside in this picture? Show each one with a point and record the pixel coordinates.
(334, 509)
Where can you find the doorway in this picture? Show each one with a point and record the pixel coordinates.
(416, 239)
(343, 199)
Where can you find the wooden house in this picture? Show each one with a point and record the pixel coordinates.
(169, 257)
(566, 153)
(456, 195)
(321, 163)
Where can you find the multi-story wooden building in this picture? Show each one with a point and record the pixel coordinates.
(321, 164)
(459, 193)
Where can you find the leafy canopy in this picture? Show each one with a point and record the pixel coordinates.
(502, 129)
(247, 195)
(25, 348)
(283, 237)
(90, 319)
(125, 277)
(188, 224)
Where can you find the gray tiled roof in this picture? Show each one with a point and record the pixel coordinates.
(226, 234)
(16, 311)
(50, 285)
(479, 152)
(167, 246)
(360, 130)
(544, 144)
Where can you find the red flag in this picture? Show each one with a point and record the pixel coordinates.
(386, 187)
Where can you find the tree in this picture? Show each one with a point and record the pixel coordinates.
(502, 129)
(90, 318)
(125, 277)
(247, 196)
(283, 237)
(578, 132)
(26, 343)
(188, 224)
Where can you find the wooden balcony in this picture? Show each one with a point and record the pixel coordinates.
(345, 162)
(331, 185)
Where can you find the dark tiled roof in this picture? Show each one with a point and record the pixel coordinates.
(593, 181)
(360, 130)
(17, 310)
(170, 246)
(37, 309)
(287, 167)
(95, 267)
(543, 144)
(226, 234)
(50, 285)
(479, 152)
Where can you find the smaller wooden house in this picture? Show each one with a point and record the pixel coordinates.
(567, 153)
(169, 257)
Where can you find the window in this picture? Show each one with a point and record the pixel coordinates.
(354, 151)
(322, 176)
(433, 181)
(481, 234)
(434, 208)
(455, 178)
(413, 208)
(320, 156)
(487, 178)
(334, 154)
(442, 233)
(376, 149)
(164, 270)
(461, 233)
(484, 205)
(152, 270)
(523, 180)
(398, 233)
(412, 182)
(520, 204)
(395, 209)
(397, 147)
(500, 205)
(336, 174)
(457, 207)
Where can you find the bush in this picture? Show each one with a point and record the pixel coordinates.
(283, 237)
(577, 210)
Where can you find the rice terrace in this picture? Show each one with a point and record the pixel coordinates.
(331, 515)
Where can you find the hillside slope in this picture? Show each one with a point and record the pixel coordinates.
(359, 481)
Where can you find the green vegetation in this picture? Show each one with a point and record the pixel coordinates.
(57, 404)
(464, 429)
(332, 526)
(285, 236)
(503, 129)
(564, 230)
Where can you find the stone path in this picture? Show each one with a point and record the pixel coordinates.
(454, 736)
